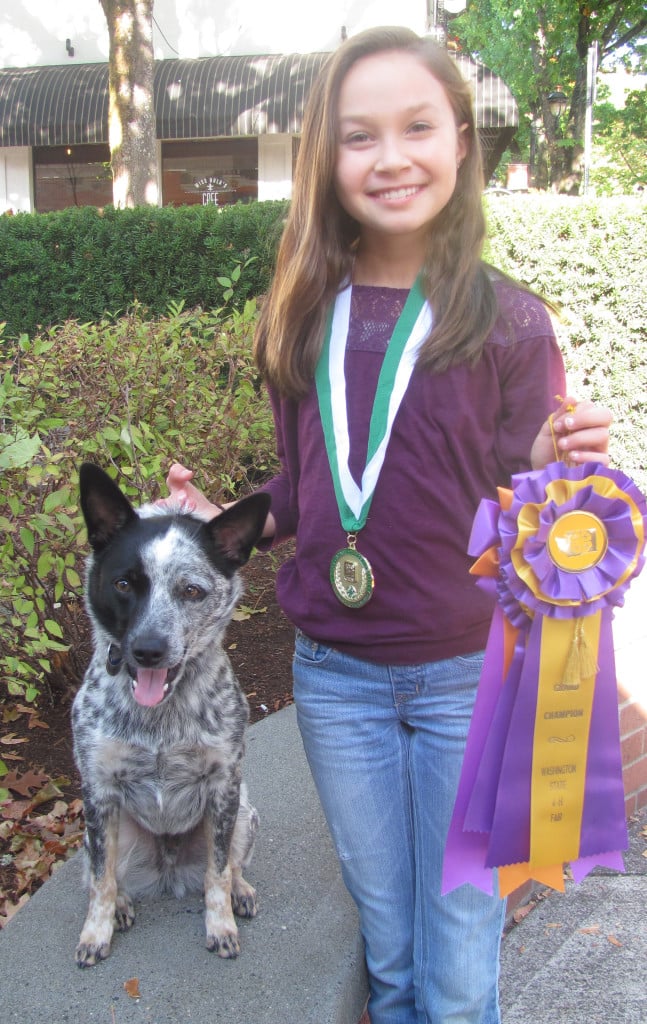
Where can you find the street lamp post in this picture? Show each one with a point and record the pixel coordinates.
(557, 103)
(437, 11)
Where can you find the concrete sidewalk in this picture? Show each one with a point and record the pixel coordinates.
(301, 960)
(581, 957)
(578, 958)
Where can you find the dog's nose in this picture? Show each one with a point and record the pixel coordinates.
(150, 651)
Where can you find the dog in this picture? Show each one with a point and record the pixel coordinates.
(159, 721)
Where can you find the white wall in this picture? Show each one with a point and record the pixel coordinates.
(274, 166)
(15, 180)
(33, 32)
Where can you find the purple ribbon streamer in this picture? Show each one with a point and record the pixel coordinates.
(465, 851)
(604, 825)
(479, 815)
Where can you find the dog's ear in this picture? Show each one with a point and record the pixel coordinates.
(237, 530)
(105, 509)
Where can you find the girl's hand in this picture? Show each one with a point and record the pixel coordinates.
(183, 493)
(579, 431)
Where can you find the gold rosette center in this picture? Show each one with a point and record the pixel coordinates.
(577, 541)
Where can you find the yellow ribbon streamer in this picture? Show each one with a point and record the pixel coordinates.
(561, 741)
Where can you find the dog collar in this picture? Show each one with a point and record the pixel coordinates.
(113, 661)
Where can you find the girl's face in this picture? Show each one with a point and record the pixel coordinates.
(398, 148)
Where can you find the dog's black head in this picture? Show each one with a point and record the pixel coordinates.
(107, 511)
(161, 585)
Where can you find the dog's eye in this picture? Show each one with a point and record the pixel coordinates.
(192, 592)
(122, 585)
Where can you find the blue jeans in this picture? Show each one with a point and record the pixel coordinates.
(385, 747)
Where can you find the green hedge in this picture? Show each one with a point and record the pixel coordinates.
(132, 395)
(82, 263)
(590, 257)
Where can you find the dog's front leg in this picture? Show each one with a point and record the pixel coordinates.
(102, 831)
(222, 933)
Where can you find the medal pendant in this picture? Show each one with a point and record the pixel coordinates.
(351, 577)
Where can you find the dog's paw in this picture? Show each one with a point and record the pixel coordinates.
(243, 899)
(124, 913)
(88, 954)
(225, 945)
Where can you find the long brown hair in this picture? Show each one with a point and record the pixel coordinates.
(316, 250)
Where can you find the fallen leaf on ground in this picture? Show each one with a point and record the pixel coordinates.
(34, 845)
(132, 988)
(24, 783)
(593, 930)
(521, 913)
(48, 792)
(14, 810)
(244, 612)
(614, 942)
(37, 723)
(8, 909)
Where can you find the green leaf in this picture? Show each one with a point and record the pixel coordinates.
(28, 539)
(73, 578)
(18, 450)
(44, 564)
(56, 499)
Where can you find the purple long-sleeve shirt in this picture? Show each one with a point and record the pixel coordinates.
(457, 436)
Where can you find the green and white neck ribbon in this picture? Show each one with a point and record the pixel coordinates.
(412, 327)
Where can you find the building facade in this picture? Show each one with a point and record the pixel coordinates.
(231, 81)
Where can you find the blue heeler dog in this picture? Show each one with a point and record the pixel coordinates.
(159, 721)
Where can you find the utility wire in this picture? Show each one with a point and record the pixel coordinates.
(164, 37)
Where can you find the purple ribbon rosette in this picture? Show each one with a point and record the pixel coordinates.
(541, 782)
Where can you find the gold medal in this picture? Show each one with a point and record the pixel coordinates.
(351, 576)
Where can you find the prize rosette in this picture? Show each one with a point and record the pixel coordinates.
(541, 783)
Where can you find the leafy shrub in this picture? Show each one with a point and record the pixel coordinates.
(82, 263)
(588, 257)
(130, 394)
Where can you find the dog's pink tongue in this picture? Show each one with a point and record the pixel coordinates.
(149, 686)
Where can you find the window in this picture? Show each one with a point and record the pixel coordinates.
(220, 171)
(71, 176)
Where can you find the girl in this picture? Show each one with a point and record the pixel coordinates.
(408, 380)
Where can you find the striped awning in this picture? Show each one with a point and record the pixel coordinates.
(194, 99)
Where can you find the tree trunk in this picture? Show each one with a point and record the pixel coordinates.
(131, 115)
